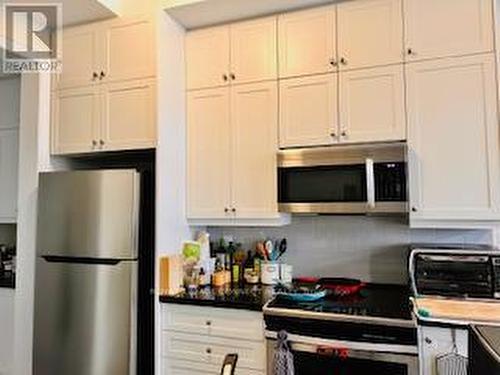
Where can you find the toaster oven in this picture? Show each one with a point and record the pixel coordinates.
(463, 273)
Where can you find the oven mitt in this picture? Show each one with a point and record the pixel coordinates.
(283, 356)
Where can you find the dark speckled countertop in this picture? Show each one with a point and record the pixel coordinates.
(246, 298)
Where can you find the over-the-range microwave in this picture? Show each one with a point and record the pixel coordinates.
(350, 179)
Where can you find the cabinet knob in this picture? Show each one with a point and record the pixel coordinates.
(410, 51)
(233, 76)
(333, 134)
(225, 77)
(233, 210)
(209, 351)
(102, 75)
(226, 210)
(344, 133)
(334, 62)
(414, 209)
(208, 323)
(428, 341)
(101, 142)
(343, 61)
(95, 76)
(94, 143)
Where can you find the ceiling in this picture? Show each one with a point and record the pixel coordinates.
(78, 11)
(199, 13)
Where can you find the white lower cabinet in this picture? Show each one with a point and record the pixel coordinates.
(437, 341)
(195, 340)
(453, 140)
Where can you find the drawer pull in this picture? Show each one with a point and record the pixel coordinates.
(208, 323)
(209, 351)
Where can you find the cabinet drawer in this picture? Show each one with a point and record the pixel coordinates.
(212, 350)
(175, 367)
(215, 322)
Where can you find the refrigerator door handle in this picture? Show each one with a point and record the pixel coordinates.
(80, 260)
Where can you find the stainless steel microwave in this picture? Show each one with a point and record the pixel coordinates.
(351, 179)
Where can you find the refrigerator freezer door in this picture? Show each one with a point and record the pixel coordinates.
(85, 318)
(89, 214)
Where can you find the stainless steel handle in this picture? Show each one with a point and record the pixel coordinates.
(370, 182)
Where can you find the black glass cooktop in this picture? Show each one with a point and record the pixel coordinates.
(374, 300)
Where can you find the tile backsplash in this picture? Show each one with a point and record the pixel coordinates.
(371, 248)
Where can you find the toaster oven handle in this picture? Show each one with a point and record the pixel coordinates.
(370, 182)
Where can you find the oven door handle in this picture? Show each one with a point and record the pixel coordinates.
(370, 183)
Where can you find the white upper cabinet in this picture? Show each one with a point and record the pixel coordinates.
(254, 114)
(128, 50)
(128, 115)
(254, 51)
(372, 105)
(208, 154)
(370, 33)
(80, 57)
(454, 157)
(75, 119)
(308, 111)
(307, 42)
(441, 28)
(9, 165)
(105, 98)
(243, 52)
(207, 58)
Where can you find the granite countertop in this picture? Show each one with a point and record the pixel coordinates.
(7, 282)
(246, 297)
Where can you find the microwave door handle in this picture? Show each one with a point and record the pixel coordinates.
(370, 183)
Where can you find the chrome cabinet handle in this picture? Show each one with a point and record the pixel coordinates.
(370, 182)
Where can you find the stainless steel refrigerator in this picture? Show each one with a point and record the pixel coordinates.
(86, 273)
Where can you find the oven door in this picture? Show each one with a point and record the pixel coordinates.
(314, 356)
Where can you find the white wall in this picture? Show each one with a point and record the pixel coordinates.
(6, 330)
(171, 225)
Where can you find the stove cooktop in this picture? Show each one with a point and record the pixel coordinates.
(373, 301)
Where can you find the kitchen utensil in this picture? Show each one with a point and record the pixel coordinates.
(261, 250)
(282, 247)
(269, 246)
(452, 363)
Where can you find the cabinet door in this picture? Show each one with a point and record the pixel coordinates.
(127, 50)
(80, 56)
(453, 125)
(253, 51)
(370, 33)
(75, 120)
(436, 341)
(372, 105)
(308, 111)
(9, 164)
(208, 154)
(307, 42)
(254, 117)
(440, 28)
(207, 58)
(128, 115)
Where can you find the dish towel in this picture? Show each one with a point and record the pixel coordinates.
(283, 356)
